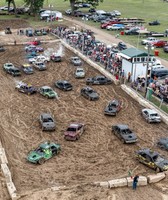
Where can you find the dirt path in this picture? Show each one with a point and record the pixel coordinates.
(97, 156)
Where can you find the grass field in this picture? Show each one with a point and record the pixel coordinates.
(147, 9)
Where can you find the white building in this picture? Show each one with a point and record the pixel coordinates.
(135, 61)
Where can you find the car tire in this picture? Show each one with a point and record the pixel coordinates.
(123, 141)
(41, 161)
(157, 169)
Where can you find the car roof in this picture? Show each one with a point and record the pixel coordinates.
(74, 125)
(62, 81)
(99, 76)
(88, 88)
(122, 126)
(46, 87)
(45, 115)
(150, 111)
(149, 152)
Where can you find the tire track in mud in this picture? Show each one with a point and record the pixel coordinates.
(98, 155)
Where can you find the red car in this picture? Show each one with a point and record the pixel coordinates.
(103, 26)
(159, 43)
(35, 42)
(74, 131)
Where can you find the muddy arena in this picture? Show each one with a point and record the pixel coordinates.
(97, 156)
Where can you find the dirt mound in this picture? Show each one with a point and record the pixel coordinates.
(13, 23)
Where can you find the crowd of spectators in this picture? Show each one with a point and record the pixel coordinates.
(85, 41)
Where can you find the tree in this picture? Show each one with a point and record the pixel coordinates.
(35, 5)
(94, 3)
(14, 5)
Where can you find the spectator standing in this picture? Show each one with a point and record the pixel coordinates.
(129, 76)
(135, 181)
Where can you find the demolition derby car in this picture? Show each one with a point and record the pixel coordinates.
(47, 122)
(89, 93)
(63, 85)
(113, 107)
(124, 133)
(48, 92)
(163, 143)
(43, 152)
(74, 131)
(26, 88)
(152, 159)
(98, 80)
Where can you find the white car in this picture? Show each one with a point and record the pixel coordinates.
(151, 115)
(79, 73)
(117, 13)
(115, 27)
(149, 40)
(39, 58)
(39, 65)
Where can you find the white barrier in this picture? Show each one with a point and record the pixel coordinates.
(3, 159)
(156, 177)
(104, 184)
(144, 102)
(118, 182)
(12, 190)
(6, 172)
(141, 181)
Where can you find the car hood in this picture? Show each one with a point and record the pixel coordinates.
(49, 124)
(94, 95)
(51, 93)
(70, 133)
(163, 164)
(131, 136)
(34, 156)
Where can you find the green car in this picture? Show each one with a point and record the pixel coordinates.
(43, 152)
(48, 92)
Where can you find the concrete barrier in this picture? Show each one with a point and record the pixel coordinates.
(141, 181)
(3, 158)
(104, 184)
(12, 190)
(6, 172)
(145, 102)
(156, 177)
(117, 183)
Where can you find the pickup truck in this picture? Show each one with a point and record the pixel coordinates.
(159, 43)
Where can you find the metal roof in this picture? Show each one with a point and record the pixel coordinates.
(133, 52)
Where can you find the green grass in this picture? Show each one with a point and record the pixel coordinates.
(157, 102)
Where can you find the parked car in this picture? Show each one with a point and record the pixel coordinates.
(33, 48)
(151, 115)
(39, 65)
(159, 72)
(121, 46)
(152, 159)
(98, 80)
(25, 88)
(74, 131)
(113, 107)
(27, 69)
(114, 27)
(76, 61)
(149, 40)
(68, 12)
(14, 71)
(47, 122)
(63, 85)
(117, 13)
(153, 23)
(163, 143)
(89, 93)
(132, 31)
(29, 33)
(43, 152)
(48, 92)
(8, 30)
(124, 133)
(165, 48)
(92, 10)
(159, 43)
(79, 72)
